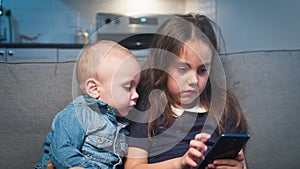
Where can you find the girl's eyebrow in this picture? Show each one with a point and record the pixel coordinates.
(185, 63)
(206, 64)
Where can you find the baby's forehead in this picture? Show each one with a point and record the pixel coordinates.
(119, 60)
(126, 63)
(123, 71)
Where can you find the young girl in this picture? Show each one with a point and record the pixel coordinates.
(184, 98)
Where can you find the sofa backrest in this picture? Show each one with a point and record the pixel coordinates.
(267, 84)
(31, 94)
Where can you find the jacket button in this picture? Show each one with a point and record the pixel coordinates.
(99, 141)
(109, 109)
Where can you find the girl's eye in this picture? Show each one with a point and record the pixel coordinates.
(202, 70)
(182, 69)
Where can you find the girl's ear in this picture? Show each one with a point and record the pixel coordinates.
(92, 88)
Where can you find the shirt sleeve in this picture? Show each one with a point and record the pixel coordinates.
(138, 136)
(68, 137)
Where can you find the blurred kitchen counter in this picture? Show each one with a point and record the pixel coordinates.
(39, 52)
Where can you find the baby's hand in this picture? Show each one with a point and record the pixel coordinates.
(195, 152)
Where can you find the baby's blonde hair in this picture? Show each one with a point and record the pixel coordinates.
(91, 58)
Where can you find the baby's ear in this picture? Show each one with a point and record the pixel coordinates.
(92, 88)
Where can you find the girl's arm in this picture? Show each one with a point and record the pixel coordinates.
(137, 158)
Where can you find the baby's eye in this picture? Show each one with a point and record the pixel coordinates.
(127, 87)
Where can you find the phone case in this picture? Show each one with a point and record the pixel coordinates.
(226, 147)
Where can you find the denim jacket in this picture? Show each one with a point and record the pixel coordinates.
(85, 134)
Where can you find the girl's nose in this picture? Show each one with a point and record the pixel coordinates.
(193, 78)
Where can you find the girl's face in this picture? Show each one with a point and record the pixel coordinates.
(188, 75)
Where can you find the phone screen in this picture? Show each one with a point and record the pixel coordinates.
(227, 146)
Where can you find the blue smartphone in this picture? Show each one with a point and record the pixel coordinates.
(227, 146)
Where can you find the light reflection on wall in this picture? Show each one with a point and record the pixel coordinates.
(133, 7)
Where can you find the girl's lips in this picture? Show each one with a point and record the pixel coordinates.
(188, 92)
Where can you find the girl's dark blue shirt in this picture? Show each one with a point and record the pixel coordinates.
(172, 142)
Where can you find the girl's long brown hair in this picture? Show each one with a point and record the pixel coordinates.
(154, 75)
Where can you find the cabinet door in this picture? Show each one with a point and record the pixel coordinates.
(2, 54)
(66, 55)
(31, 54)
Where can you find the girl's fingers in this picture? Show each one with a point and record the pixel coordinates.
(198, 145)
(240, 157)
(195, 155)
(203, 137)
(229, 162)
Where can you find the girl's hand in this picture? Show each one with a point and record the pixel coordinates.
(237, 163)
(195, 152)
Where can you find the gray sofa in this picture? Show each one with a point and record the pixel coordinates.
(267, 83)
